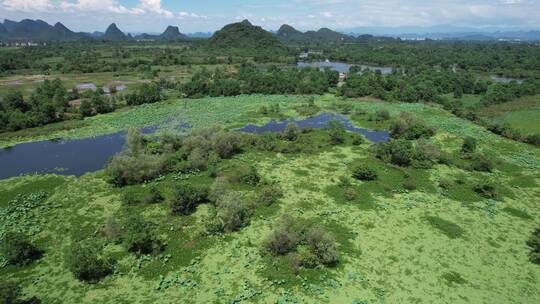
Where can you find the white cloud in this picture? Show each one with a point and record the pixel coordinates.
(98, 6)
(143, 7)
(327, 14)
(154, 6)
(27, 5)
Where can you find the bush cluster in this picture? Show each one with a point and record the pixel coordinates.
(361, 171)
(186, 198)
(408, 128)
(309, 246)
(85, 260)
(230, 214)
(401, 152)
(17, 249)
(138, 236)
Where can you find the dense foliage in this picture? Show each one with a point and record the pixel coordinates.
(249, 80)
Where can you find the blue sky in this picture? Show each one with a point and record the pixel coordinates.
(210, 15)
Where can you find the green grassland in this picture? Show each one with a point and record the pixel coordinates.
(522, 114)
(397, 244)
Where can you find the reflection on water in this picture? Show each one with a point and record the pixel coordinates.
(67, 157)
(343, 67)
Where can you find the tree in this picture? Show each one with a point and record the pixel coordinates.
(18, 250)
(363, 172)
(138, 236)
(186, 198)
(283, 239)
(291, 132)
(323, 245)
(336, 131)
(85, 109)
(469, 145)
(84, 259)
(232, 213)
(9, 292)
(14, 101)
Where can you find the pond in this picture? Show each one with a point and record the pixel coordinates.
(317, 122)
(343, 67)
(502, 79)
(66, 157)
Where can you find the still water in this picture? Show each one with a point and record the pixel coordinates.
(318, 122)
(343, 67)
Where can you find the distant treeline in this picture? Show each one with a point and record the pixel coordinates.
(50, 103)
(428, 84)
(249, 79)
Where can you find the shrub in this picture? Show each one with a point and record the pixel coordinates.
(350, 194)
(283, 239)
(250, 177)
(227, 144)
(363, 172)
(85, 261)
(450, 229)
(306, 257)
(153, 196)
(197, 160)
(186, 198)
(219, 187)
(131, 198)
(469, 145)
(129, 170)
(138, 236)
(9, 292)
(409, 185)
(17, 249)
(322, 245)
(269, 194)
(382, 115)
(291, 132)
(336, 131)
(407, 128)
(534, 245)
(112, 230)
(135, 141)
(232, 212)
(481, 163)
(398, 152)
(486, 190)
(533, 139)
(357, 139)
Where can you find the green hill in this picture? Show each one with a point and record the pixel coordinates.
(113, 33)
(37, 30)
(172, 33)
(244, 35)
(324, 35)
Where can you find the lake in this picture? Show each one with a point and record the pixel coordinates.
(66, 157)
(343, 67)
(317, 122)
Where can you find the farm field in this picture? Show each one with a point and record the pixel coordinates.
(411, 235)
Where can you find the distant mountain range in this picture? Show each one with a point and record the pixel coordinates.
(477, 36)
(324, 35)
(244, 33)
(38, 30)
(447, 32)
